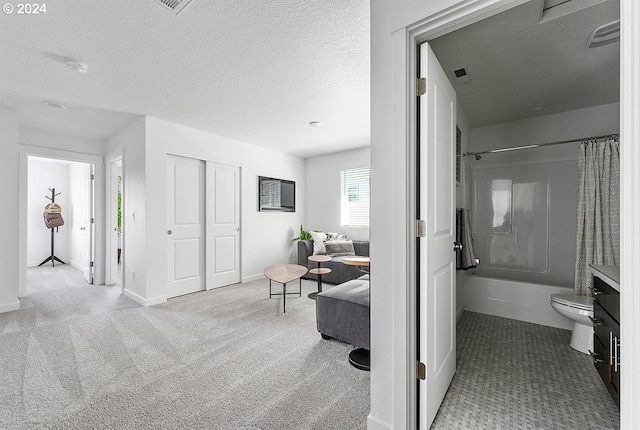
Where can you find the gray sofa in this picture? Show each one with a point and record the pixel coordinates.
(340, 272)
(342, 312)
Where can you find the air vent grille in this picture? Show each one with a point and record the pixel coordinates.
(175, 6)
(461, 75)
(604, 35)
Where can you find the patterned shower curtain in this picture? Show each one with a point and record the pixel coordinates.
(598, 238)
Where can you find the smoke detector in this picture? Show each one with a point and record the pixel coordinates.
(175, 6)
(604, 35)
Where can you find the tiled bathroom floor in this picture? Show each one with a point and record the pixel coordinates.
(517, 375)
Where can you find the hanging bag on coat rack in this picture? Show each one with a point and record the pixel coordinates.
(52, 215)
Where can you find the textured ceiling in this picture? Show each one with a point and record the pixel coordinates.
(255, 71)
(260, 71)
(516, 63)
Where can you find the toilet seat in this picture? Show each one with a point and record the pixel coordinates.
(584, 303)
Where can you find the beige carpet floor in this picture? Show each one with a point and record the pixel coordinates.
(77, 356)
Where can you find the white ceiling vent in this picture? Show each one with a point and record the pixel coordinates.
(604, 35)
(552, 9)
(461, 75)
(175, 6)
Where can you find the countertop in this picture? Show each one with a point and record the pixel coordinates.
(609, 274)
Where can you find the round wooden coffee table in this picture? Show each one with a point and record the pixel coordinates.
(283, 274)
(319, 271)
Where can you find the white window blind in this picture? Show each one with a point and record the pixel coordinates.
(354, 197)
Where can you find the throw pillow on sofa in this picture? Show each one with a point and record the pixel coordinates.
(335, 248)
(318, 242)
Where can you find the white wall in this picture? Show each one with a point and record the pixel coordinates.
(556, 166)
(576, 124)
(44, 174)
(132, 141)
(265, 236)
(322, 192)
(9, 215)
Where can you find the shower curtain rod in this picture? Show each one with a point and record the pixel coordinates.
(536, 145)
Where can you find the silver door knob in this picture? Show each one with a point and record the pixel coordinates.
(457, 246)
(169, 232)
(237, 229)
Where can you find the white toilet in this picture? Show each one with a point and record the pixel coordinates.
(578, 309)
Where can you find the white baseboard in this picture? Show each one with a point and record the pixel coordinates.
(8, 307)
(375, 424)
(252, 278)
(145, 302)
(76, 265)
(459, 313)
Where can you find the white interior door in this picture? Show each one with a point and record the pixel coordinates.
(223, 225)
(185, 224)
(88, 226)
(437, 258)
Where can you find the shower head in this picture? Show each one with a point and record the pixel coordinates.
(478, 156)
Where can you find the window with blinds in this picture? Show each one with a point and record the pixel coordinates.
(354, 197)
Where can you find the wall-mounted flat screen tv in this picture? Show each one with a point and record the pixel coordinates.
(276, 194)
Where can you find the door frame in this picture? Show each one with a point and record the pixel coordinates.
(110, 160)
(404, 127)
(26, 151)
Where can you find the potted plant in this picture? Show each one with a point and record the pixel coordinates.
(304, 235)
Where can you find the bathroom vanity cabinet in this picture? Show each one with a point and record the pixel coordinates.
(606, 327)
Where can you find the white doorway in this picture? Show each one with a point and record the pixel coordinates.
(114, 260)
(70, 185)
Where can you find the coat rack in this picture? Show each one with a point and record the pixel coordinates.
(52, 257)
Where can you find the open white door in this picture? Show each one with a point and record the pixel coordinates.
(88, 226)
(437, 315)
(185, 225)
(223, 225)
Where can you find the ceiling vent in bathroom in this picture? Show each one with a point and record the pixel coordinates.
(461, 76)
(604, 35)
(175, 6)
(552, 9)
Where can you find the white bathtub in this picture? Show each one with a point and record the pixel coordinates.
(517, 300)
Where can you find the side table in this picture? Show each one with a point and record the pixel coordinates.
(318, 271)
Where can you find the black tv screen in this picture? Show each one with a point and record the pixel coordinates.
(276, 194)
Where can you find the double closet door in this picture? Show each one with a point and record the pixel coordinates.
(203, 225)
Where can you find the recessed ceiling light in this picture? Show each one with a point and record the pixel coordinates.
(538, 107)
(54, 105)
(76, 65)
(315, 124)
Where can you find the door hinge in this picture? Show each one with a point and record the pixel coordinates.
(93, 177)
(421, 228)
(91, 264)
(421, 371)
(92, 220)
(421, 88)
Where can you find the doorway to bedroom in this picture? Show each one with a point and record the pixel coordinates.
(60, 224)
